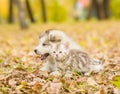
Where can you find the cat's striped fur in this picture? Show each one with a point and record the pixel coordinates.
(69, 60)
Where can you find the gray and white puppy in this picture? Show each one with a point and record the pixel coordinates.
(44, 47)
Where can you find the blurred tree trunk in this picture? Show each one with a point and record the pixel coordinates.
(101, 7)
(29, 11)
(10, 17)
(107, 8)
(43, 11)
(21, 14)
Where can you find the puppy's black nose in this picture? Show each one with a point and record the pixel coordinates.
(35, 51)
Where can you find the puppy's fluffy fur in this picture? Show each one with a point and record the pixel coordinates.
(44, 47)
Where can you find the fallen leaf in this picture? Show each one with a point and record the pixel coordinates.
(91, 81)
(54, 88)
(12, 82)
(37, 86)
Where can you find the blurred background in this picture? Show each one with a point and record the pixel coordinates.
(26, 12)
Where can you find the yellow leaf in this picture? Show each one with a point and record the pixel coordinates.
(19, 87)
(24, 83)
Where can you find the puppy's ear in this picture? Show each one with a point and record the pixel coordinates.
(54, 38)
(43, 34)
(48, 31)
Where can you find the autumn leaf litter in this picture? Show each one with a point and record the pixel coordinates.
(19, 66)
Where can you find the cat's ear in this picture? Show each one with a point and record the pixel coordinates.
(67, 45)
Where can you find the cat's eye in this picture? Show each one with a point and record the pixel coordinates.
(54, 52)
(60, 51)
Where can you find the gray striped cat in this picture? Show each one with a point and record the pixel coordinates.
(69, 60)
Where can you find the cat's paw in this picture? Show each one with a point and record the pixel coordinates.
(56, 73)
(98, 68)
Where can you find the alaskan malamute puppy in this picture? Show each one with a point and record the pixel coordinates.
(44, 47)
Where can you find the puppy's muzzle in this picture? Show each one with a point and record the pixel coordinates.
(35, 51)
(43, 56)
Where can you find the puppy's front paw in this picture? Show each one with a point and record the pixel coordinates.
(44, 69)
(56, 73)
(44, 74)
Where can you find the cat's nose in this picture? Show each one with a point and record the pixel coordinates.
(56, 55)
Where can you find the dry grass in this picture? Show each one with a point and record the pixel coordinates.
(19, 65)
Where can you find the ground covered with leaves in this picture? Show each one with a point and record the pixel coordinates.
(19, 66)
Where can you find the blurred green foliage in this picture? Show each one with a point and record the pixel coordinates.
(57, 12)
(115, 8)
(116, 81)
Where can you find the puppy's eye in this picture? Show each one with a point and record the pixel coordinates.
(60, 52)
(54, 52)
(44, 44)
